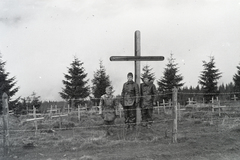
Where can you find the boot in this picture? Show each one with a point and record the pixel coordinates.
(127, 126)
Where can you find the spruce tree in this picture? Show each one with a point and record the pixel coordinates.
(75, 83)
(208, 79)
(7, 85)
(236, 80)
(170, 78)
(100, 82)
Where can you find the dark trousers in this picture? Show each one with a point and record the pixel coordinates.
(130, 114)
(147, 112)
(108, 125)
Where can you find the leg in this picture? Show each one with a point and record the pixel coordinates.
(144, 116)
(150, 118)
(110, 127)
(132, 115)
(126, 114)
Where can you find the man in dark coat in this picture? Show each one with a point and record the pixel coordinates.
(130, 95)
(148, 99)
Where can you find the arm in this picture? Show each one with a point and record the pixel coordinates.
(140, 94)
(154, 91)
(122, 95)
(137, 92)
(116, 104)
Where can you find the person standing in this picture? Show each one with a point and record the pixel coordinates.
(130, 95)
(148, 99)
(107, 109)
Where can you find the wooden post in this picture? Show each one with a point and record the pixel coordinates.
(235, 97)
(68, 109)
(212, 105)
(60, 120)
(5, 124)
(189, 101)
(79, 114)
(137, 51)
(51, 111)
(174, 115)
(219, 108)
(35, 121)
(158, 107)
(164, 107)
(179, 112)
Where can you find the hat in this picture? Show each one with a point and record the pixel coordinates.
(145, 76)
(130, 74)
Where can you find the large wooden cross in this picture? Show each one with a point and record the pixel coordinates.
(137, 58)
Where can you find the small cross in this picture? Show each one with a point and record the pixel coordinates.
(137, 58)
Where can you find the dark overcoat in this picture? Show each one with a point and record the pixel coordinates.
(130, 93)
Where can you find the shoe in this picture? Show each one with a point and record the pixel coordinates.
(144, 124)
(127, 126)
(111, 133)
(149, 125)
(132, 128)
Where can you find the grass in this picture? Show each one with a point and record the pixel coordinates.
(197, 138)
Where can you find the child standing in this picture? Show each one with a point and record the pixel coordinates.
(108, 109)
(148, 99)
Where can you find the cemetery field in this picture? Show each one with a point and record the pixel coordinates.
(201, 136)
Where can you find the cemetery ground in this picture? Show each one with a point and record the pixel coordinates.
(202, 135)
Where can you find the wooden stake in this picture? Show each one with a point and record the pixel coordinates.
(79, 114)
(174, 115)
(164, 107)
(158, 108)
(179, 112)
(35, 120)
(5, 124)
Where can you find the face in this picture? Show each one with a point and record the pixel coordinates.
(146, 80)
(130, 78)
(108, 91)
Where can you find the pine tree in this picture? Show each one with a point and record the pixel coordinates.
(170, 78)
(236, 80)
(7, 85)
(148, 71)
(208, 79)
(75, 86)
(100, 82)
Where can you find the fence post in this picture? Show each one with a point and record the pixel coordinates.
(174, 115)
(5, 124)
(35, 121)
(179, 111)
(79, 114)
(51, 111)
(164, 107)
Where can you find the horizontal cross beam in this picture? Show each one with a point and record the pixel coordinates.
(136, 58)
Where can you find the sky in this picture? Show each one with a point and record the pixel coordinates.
(39, 39)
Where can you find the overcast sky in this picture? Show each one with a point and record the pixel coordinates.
(39, 39)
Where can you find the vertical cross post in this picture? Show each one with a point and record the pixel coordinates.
(137, 53)
(137, 50)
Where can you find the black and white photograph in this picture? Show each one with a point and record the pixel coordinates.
(119, 79)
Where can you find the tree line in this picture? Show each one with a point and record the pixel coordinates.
(76, 88)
